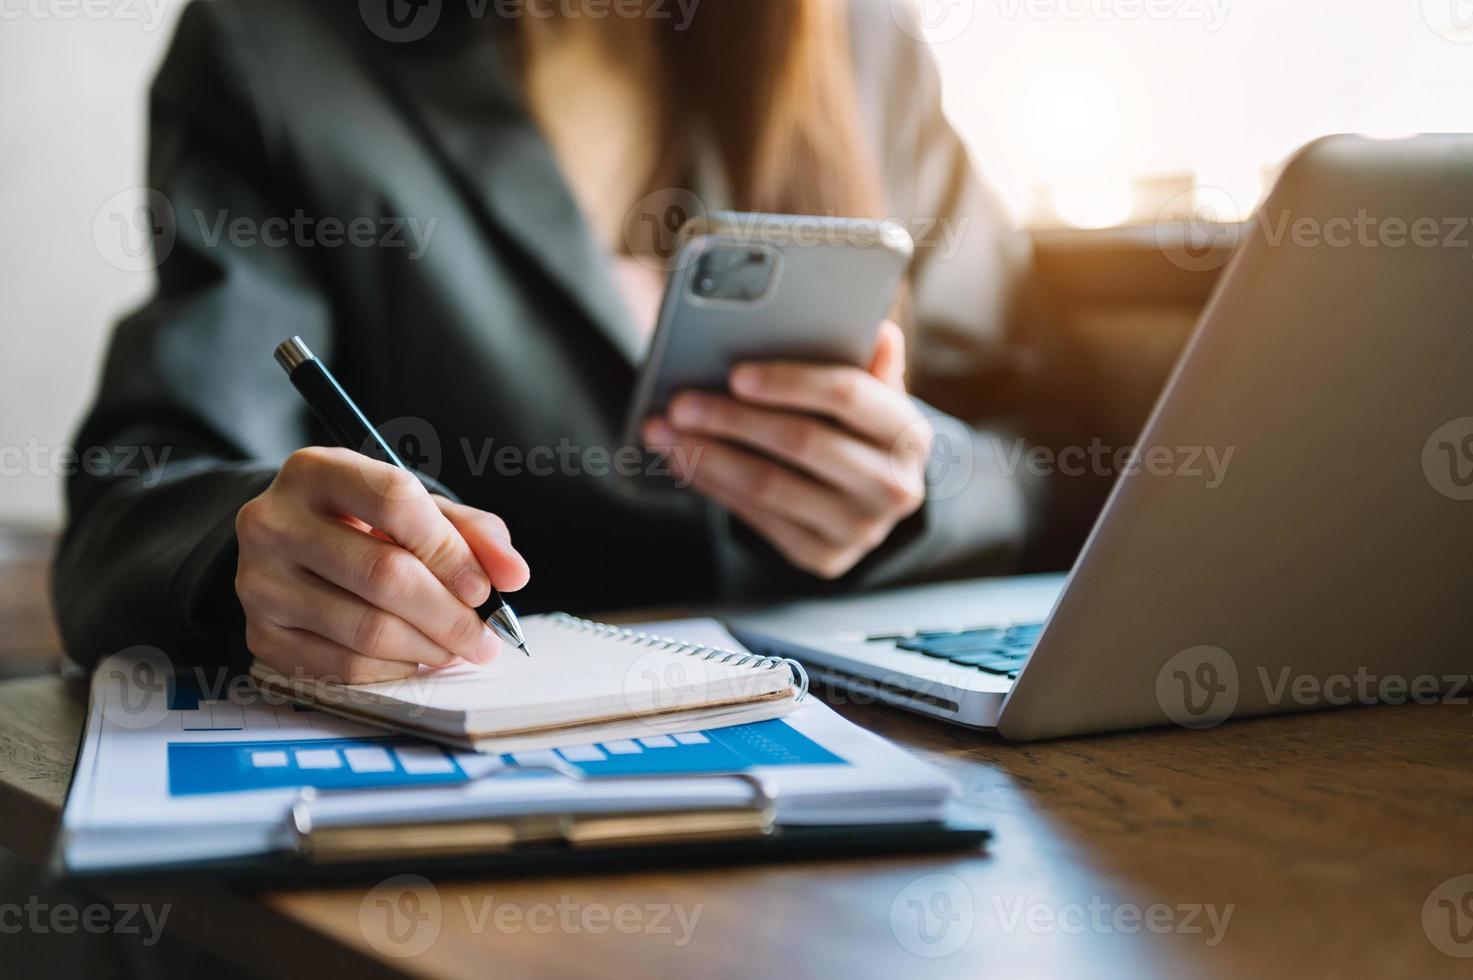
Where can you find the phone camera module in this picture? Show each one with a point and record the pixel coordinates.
(734, 274)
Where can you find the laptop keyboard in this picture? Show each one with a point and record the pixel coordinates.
(1000, 650)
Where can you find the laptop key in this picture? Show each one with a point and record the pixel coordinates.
(953, 652)
(984, 660)
(970, 641)
(945, 651)
(1009, 668)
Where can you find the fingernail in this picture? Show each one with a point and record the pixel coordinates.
(746, 379)
(687, 410)
(472, 587)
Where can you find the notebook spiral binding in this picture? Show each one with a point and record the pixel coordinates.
(656, 642)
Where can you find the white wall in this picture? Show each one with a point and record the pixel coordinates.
(73, 83)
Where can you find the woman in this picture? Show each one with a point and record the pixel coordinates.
(444, 213)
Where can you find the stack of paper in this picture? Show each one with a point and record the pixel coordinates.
(194, 768)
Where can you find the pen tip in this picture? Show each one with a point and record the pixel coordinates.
(523, 647)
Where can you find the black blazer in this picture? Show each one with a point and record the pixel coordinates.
(495, 325)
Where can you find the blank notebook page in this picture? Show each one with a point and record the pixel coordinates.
(578, 672)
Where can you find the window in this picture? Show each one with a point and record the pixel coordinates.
(1092, 113)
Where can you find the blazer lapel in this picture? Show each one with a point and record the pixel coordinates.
(470, 108)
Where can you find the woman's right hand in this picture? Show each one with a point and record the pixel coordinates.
(351, 570)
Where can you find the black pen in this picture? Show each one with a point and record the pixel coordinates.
(352, 430)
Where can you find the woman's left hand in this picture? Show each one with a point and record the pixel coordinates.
(821, 460)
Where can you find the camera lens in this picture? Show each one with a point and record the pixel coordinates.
(733, 274)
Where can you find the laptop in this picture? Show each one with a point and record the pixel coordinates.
(1330, 564)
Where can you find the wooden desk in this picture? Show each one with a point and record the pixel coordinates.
(1324, 834)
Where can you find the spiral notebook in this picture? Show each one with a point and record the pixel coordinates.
(584, 682)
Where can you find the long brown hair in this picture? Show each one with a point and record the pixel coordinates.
(771, 82)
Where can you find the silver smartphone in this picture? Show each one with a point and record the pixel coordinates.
(749, 286)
